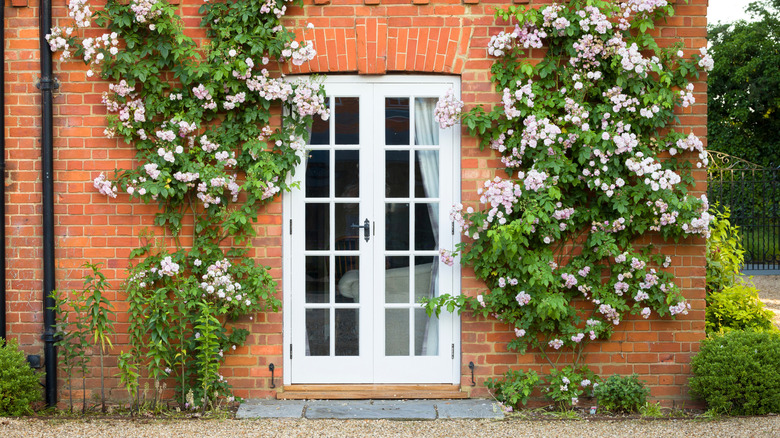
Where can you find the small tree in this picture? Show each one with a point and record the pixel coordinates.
(98, 309)
(71, 340)
(744, 86)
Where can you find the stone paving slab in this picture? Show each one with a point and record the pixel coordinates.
(371, 409)
(468, 409)
(258, 408)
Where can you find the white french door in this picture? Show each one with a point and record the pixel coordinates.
(362, 236)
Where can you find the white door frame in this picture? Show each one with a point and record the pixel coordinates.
(451, 160)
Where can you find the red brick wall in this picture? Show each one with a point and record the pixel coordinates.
(356, 36)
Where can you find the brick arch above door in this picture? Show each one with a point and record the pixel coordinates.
(373, 47)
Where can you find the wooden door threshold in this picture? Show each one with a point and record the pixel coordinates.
(364, 392)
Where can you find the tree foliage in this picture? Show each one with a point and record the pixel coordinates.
(744, 86)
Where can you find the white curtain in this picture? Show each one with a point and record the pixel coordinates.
(426, 133)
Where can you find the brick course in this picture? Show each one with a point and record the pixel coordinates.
(351, 36)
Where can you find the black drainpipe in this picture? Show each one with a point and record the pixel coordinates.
(46, 86)
(2, 180)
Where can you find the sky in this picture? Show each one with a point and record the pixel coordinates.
(726, 10)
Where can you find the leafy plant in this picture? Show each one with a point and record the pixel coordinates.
(651, 410)
(737, 307)
(72, 340)
(84, 315)
(738, 373)
(19, 386)
(725, 254)
(208, 352)
(565, 414)
(678, 412)
(129, 376)
(710, 415)
(514, 388)
(564, 387)
(622, 394)
(98, 310)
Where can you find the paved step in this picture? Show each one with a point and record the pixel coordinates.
(370, 409)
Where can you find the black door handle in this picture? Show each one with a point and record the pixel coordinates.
(366, 228)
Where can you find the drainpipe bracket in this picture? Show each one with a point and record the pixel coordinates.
(47, 84)
(50, 335)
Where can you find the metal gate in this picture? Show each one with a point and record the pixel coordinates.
(752, 193)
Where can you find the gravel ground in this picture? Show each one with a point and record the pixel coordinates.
(769, 293)
(768, 426)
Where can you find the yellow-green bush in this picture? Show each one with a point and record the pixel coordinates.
(725, 254)
(737, 307)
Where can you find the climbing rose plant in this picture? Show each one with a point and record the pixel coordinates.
(593, 162)
(213, 146)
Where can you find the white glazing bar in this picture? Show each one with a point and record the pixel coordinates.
(332, 121)
(331, 227)
(412, 229)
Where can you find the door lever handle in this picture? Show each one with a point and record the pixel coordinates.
(366, 228)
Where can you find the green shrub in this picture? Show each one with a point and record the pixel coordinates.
(725, 254)
(737, 307)
(622, 394)
(514, 388)
(739, 373)
(564, 387)
(19, 386)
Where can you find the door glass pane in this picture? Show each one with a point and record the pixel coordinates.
(320, 130)
(397, 279)
(347, 332)
(397, 223)
(318, 332)
(425, 277)
(396, 121)
(426, 334)
(426, 174)
(396, 332)
(426, 226)
(347, 120)
(317, 174)
(426, 130)
(397, 174)
(348, 214)
(317, 226)
(347, 279)
(347, 174)
(317, 279)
